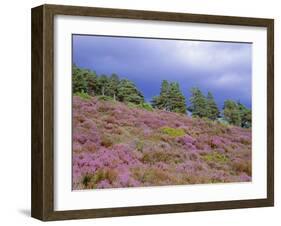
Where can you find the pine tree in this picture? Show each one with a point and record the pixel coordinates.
(246, 116)
(198, 102)
(162, 101)
(170, 98)
(127, 92)
(79, 82)
(176, 100)
(113, 86)
(155, 102)
(231, 112)
(103, 85)
(164, 95)
(91, 80)
(212, 108)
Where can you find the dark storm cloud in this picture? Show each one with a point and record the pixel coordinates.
(220, 67)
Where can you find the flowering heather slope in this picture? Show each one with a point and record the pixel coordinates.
(115, 145)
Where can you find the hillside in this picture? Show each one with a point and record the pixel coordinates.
(119, 145)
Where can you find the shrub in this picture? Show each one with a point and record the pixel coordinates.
(105, 98)
(146, 106)
(86, 180)
(173, 132)
(155, 175)
(242, 166)
(162, 156)
(216, 157)
(132, 105)
(245, 140)
(106, 141)
(185, 140)
(102, 175)
(117, 145)
(83, 95)
(139, 145)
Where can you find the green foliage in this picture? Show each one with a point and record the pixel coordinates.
(246, 116)
(156, 102)
(198, 102)
(231, 112)
(170, 99)
(139, 145)
(212, 108)
(127, 92)
(237, 114)
(223, 122)
(83, 80)
(91, 180)
(173, 132)
(105, 98)
(113, 86)
(83, 95)
(203, 107)
(162, 101)
(216, 157)
(146, 106)
(131, 105)
(91, 81)
(102, 85)
(143, 105)
(86, 83)
(79, 82)
(176, 99)
(86, 180)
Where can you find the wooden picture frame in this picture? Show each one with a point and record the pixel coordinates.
(42, 203)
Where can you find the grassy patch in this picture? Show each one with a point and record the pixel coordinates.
(162, 156)
(173, 132)
(216, 157)
(83, 95)
(139, 145)
(151, 176)
(91, 180)
(105, 98)
(144, 106)
(243, 166)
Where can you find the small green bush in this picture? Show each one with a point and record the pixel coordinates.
(146, 106)
(91, 180)
(131, 105)
(139, 145)
(83, 95)
(216, 157)
(104, 174)
(173, 132)
(223, 122)
(105, 98)
(86, 180)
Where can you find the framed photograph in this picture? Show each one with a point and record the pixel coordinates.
(142, 112)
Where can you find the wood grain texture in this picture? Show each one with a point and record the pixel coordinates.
(43, 108)
(270, 111)
(37, 159)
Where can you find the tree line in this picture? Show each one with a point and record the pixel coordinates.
(170, 97)
(87, 81)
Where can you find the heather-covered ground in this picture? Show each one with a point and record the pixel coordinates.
(119, 145)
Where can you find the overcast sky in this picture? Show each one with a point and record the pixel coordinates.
(223, 68)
